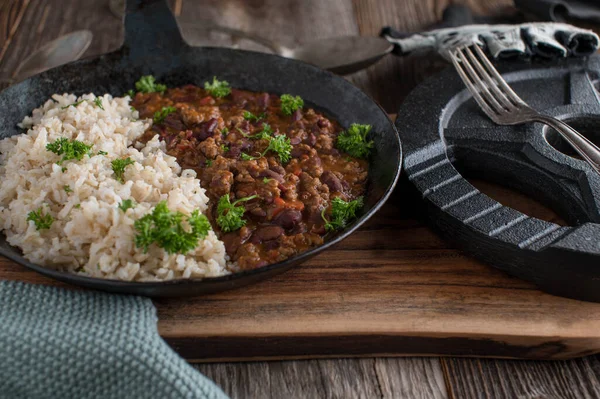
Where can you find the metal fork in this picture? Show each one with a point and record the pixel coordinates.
(503, 106)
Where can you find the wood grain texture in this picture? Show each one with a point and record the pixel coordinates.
(487, 378)
(343, 378)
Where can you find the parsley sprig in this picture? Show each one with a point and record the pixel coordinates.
(75, 104)
(126, 204)
(249, 116)
(98, 102)
(119, 165)
(40, 219)
(159, 116)
(341, 213)
(69, 149)
(230, 215)
(147, 84)
(217, 88)
(289, 103)
(166, 229)
(280, 145)
(354, 141)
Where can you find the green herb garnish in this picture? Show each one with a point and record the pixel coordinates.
(126, 204)
(118, 167)
(354, 141)
(159, 116)
(289, 103)
(75, 104)
(208, 162)
(266, 180)
(130, 93)
(69, 149)
(249, 116)
(341, 213)
(230, 216)
(67, 189)
(166, 229)
(218, 88)
(98, 102)
(77, 206)
(102, 153)
(42, 221)
(224, 148)
(147, 84)
(224, 131)
(280, 145)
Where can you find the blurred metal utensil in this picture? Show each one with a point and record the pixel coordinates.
(342, 55)
(503, 106)
(65, 49)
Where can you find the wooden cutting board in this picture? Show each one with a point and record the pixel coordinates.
(392, 288)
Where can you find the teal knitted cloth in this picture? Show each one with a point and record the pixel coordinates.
(58, 343)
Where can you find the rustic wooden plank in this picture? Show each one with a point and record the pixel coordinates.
(11, 14)
(343, 378)
(45, 20)
(411, 378)
(487, 378)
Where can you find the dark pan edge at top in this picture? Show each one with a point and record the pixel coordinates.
(116, 81)
(560, 260)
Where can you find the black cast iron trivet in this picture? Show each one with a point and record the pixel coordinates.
(443, 129)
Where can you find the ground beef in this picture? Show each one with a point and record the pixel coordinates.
(210, 135)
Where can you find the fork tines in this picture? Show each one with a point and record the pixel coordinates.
(484, 82)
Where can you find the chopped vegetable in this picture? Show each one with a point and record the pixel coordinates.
(289, 103)
(75, 104)
(218, 88)
(147, 84)
(69, 149)
(341, 213)
(251, 117)
(98, 102)
(131, 94)
(119, 165)
(224, 131)
(77, 206)
(102, 153)
(42, 221)
(266, 180)
(67, 189)
(126, 204)
(224, 148)
(280, 145)
(354, 141)
(208, 162)
(166, 229)
(265, 133)
(159, 116)
(230, 216)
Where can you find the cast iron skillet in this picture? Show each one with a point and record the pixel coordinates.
(153, 45)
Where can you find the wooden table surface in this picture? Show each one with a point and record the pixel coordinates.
(28, 24)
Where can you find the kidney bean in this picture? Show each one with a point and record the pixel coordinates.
(297, 115)
(266, 233)
(271, 175)
(204, 130)
(296, 140)
(332, 181)
(288, 218)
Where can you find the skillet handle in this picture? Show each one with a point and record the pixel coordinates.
(151, 30)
